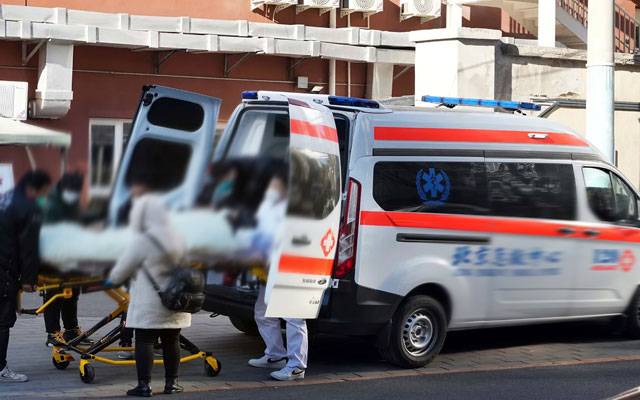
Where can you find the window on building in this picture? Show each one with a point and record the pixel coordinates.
(609, 197)
(524, 190)
(108, 138)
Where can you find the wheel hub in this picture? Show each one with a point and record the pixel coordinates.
(418, 334)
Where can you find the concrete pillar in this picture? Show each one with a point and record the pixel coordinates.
(380, 81)
(600, 76)
(454, 16)
(55, 73)
(458, 63)
(547, 23)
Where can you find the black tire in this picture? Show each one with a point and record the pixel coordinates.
(247, 326)
(60, 365)
(89, 374)
(418, 330)
(632, 322)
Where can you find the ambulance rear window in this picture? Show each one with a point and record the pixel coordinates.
(508, 189)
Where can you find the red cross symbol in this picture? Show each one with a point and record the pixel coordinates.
(627, 260)
(327, 242)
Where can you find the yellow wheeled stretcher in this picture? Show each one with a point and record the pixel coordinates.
(62, 352)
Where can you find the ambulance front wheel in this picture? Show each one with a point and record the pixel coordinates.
(418, 330)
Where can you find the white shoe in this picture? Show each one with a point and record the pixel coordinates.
(288, 374)
(7, 375)
(266, 362)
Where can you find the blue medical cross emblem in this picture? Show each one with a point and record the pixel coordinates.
(433, 186)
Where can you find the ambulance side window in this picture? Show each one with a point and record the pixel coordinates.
(437, 187)
(609, 197)
(531, 190)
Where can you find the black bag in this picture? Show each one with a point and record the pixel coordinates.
(185, 291)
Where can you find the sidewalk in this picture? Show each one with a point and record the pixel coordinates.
(333, 359)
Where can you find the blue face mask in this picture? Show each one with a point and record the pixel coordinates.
(222, 191)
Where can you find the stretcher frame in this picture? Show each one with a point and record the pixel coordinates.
(61, 353)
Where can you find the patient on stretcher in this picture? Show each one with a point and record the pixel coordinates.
(214, 233)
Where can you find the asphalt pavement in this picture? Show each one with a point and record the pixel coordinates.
(563, 361)
(584, 382)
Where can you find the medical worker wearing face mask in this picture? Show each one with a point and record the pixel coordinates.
(63, 205)
(291, 361)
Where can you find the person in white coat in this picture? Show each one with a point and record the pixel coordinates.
(146, 314)
(292, 360)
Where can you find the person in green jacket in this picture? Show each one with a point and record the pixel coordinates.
(63, 205)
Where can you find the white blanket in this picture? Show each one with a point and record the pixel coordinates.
(68, 247)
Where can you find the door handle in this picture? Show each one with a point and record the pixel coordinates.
(301, 240)
(591, 233)
(566, 231)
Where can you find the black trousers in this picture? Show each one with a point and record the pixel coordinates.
(7, 320)
(170, 340)
(65, 308)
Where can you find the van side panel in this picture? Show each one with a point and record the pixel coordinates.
(390, 261)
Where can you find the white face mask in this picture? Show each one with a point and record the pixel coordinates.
(272, 196)
(70, 197)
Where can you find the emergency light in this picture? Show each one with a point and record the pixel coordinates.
(353, 102)
(461, 101)
(318, 98)
(249, 95)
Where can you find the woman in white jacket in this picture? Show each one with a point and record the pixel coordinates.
(149, 221)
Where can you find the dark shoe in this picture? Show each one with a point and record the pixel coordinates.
(54, 339)
(142, 390)
(70, 334)
(172, 388)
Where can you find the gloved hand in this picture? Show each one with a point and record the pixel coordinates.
(107, 283)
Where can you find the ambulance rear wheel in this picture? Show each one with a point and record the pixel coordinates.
(247, 326)
(418, 330)
(632, 323)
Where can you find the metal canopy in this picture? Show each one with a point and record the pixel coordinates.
(14, 132)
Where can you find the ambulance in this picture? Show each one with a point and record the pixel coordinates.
(412, 222)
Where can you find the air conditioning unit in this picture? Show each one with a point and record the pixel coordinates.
(280, 4)
(367, 7)
(425, 9)
(13, 99)
(322, 5)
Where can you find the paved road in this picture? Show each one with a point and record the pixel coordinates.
(333, 360)
(584, 382)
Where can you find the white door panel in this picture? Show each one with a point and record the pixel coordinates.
(303, 261)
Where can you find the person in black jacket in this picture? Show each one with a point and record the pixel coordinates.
(20, 220)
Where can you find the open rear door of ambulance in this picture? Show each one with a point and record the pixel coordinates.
(304, 254)
(171, 143)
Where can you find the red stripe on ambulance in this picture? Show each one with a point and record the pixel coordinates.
(509, 226)
(300, 127)
(476, 136)
(305, 265)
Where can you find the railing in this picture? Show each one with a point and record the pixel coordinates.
(626, 32)
(627, 28)
(576, 8)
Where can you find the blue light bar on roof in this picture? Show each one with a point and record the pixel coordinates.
(250, 95)
(352, 102)
(461, 101)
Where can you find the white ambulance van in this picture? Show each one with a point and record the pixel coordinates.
(448, 220)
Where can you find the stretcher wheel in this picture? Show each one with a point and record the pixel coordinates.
(210, 370)
(89, 374)
(60, 365)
